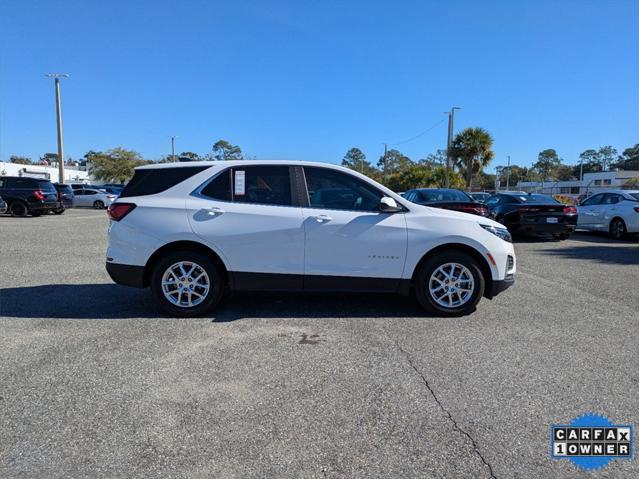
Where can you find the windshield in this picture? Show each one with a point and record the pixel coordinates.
(444, 195)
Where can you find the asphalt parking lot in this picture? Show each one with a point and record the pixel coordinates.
(96, 383)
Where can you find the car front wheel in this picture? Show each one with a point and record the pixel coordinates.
(449, 284)
(187, 284)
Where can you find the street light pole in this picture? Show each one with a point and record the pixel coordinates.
(451, 120)
(58, 109)
(173, 149)
(508, 175)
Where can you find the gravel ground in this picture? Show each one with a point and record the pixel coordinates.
(94, 382)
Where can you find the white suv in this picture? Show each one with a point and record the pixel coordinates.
(192, 231)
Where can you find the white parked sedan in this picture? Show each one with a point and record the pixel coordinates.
(614, 211)
(93, 198)
(191, 231)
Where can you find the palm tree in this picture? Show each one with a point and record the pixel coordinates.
(472, 150)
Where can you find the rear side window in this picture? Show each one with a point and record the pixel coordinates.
(155, 180)
(264, 185)
(20, 183)
(46, 186)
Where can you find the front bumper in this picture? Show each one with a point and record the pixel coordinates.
(126, 274)
(500, 286)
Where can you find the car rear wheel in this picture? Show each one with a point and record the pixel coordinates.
(617, 228)
(187, 284)
(449, 284)
(18, 208)
(98, 205)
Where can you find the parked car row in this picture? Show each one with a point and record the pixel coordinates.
(22, 196)
(615, 211)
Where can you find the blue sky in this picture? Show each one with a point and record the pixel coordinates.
(310, 79)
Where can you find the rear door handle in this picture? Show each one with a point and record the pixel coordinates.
(323, 218)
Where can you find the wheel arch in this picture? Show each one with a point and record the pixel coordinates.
(176, 246)
(472, 252)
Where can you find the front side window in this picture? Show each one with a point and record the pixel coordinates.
(333, 190)
(265, 185)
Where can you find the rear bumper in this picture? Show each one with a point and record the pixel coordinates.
(541, 228)
(126, 275)
(43, 205)
(500, 286)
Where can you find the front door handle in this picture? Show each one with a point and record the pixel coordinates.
(214, 210)
(323, 218)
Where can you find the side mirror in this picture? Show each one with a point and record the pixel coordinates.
(389, 205)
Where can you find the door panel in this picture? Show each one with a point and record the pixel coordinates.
(350, 243)
(251, 237)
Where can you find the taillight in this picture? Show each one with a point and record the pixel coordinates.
(636, 208)
(117, 211)
(39, 195)
(111, 197)
(570, 210)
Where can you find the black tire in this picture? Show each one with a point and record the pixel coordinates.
(561, 236)
(430, 265)
(217, 284)
(98, 205)
(618, 229)
(18, 208)
(59, 211)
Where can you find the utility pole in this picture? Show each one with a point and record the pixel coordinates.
(449, 159)
(384, 162)
(508, 175)
(173, 148)
(58, 110)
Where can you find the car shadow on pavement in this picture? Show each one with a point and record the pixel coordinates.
(602, 238)
(599, 254)
(110, 301)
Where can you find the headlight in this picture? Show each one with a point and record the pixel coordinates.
(501, 232)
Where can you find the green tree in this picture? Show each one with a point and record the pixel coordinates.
(472, 150)
(190, 155)
(434, 159)
(224, 150)
(394, 162)
(588, 162)
(607, 155)
(115, 165)
(629, 159)
(547, 162)
(20, 160)
(355, 159)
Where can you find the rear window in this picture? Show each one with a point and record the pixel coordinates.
(444, 195)
(635, 196)
(151, 181)
(46, 186)
(535, 199)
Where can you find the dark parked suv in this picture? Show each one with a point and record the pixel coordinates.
(25, 196)
(65, 198)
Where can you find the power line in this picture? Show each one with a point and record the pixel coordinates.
(419, 134)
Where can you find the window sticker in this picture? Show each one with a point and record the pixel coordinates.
(240, 183)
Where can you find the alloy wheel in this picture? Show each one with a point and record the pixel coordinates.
(185, 284)
(451, 285)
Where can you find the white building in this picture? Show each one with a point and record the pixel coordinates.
(591, 183)
(41, 171)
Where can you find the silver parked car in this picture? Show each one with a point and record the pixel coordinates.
(93, 198)
(614, 211)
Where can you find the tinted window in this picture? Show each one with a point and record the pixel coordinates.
(155, 180)
(611, 199)
(46, 186)
(444, 195)
(220, 187)
(267, 185)
(635, 195)
(593, 200)
(334, 190)
(21, 183)
(534, 198)
(493, 201)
